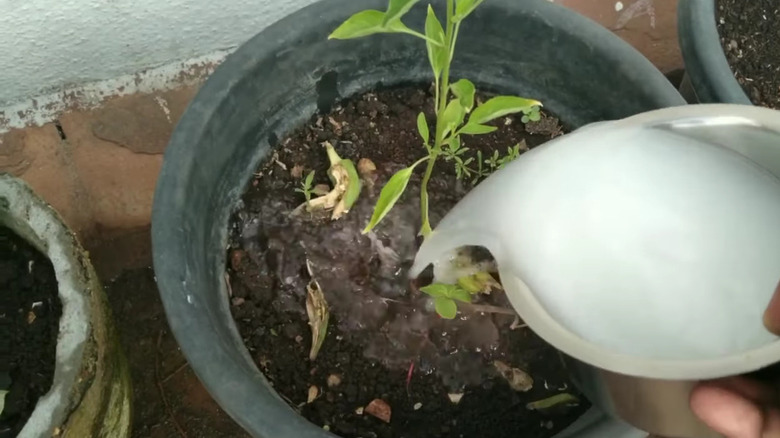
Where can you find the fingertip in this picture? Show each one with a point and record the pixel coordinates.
(726, 412)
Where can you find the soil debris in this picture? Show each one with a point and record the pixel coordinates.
(380, 409)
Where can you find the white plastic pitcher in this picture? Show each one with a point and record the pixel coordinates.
(647, 247)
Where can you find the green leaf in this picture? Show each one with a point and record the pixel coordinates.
(354, 186)
(501, 106)
(2, 399)
(465, 7)
(446, 308)
(397, 9)
(422, 127)
(464, 90)
(452, 116)
(390, 193)
(437, 290)
(461, 295)
(309, 179)
(477, 129)
(454, 144)
(437, 54)
(359, 25)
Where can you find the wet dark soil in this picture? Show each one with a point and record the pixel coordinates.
(30, 312)
(750, 31)
(384, 340)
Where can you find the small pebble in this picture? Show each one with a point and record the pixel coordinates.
(380, 409)
(313, 393)
(417, 406)
(455, 398)
(334, 380)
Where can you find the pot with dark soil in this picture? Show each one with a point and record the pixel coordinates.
(730, 50)
(319, 165)
(62, 372)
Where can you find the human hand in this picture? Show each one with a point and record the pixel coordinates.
(738, 407)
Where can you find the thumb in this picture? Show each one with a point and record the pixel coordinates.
(772, 313)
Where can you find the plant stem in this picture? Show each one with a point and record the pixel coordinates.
(441, 95)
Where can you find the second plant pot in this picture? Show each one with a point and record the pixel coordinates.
(711, 78)
(279, 79)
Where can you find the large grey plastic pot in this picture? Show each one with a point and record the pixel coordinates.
(711, 78)
(91, 393)
(278, 79)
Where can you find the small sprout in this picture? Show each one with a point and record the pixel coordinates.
(379, 409)
(444, 296)
(531, 115)
(517, 379)
(455, 397)
(314, 392)
(317, 310)
(334, 380)
(306, 187)
(563, 399)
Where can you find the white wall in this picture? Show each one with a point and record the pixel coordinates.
(48, 45)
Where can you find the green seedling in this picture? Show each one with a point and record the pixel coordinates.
(456, 114)
(445, 297)
(2, 400)
(306, 187)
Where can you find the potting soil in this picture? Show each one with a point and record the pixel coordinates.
(426, 376)
(30, 311)
(749, 34)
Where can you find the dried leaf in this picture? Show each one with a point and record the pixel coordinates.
(379, 409)
(317, 309)
(556, 400)
(2, 399)
(518, 379)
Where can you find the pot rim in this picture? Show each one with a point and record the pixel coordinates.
(35, 221)
(706, 65)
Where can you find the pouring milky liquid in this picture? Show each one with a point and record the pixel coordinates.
(648, 246)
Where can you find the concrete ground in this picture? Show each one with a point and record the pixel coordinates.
(98, 168)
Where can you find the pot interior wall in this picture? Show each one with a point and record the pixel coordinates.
(580, 71)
